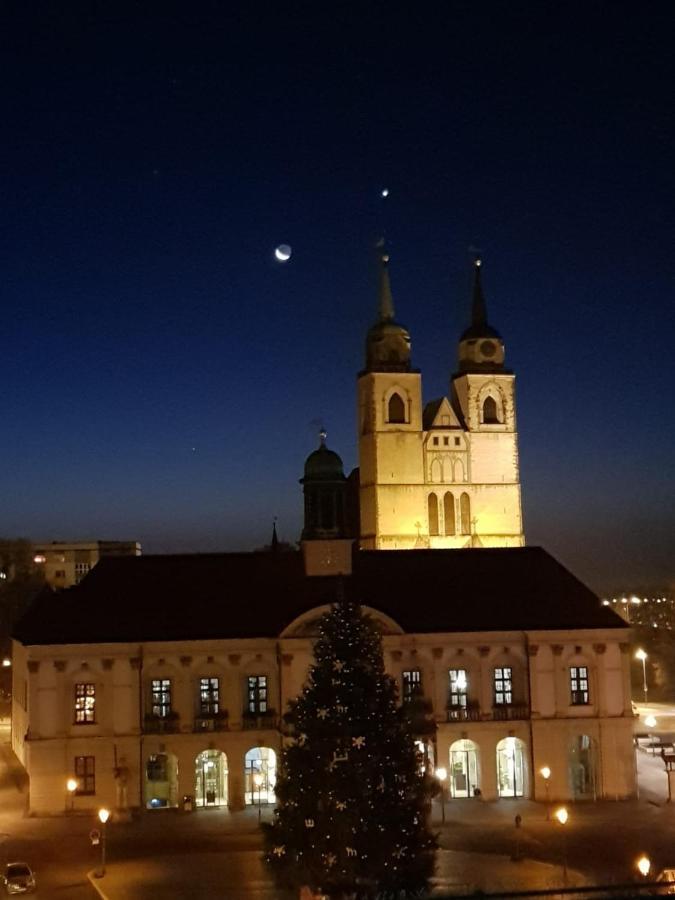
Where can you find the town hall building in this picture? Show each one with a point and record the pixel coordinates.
(161, 678)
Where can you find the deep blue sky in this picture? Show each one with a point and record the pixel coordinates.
(151, 161)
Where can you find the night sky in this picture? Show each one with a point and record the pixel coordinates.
(164, 378)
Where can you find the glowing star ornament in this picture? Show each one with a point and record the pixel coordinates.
(358, 742)
(331, 859)
(283, 253)
(279, 851)
(338, 665)
(341, 805)
(322, 713)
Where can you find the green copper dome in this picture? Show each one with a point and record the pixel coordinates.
(323, 465)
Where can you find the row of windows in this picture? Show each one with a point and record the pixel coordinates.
(257, 692)
(449, 519)
(160, 698)
(396, 414)
(446, 441)
(502, 683)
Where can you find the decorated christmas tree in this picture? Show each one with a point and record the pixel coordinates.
(352, 815)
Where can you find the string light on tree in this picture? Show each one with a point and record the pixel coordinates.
(353, 773)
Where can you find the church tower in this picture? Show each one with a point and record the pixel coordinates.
(444, 475)
(483, 394)
(390, 432)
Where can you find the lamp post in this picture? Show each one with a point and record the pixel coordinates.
(442, 774)
(643, 865)
(71, 787)
(562, 816)
(103, 816)
(258, 779)
(642, 656)
(545, 773)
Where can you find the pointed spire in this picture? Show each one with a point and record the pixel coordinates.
(478, 309)
(386, 302)
(275, 539)
(323, 434)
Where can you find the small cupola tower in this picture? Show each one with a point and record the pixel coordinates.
(325, 544)
(324, 489)
(481, 348)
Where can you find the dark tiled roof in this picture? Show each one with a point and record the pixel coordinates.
(248, 595)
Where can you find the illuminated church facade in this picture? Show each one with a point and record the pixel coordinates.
(443, 474)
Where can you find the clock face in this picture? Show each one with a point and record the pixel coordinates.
(487, 348)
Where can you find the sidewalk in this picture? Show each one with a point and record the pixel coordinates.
(210, 876)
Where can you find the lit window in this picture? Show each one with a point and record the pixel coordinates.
(81, 570)
(257, 694)
(579, 685)
(85, 774)
(458, 687)
(209, 696)
(85, 704)
(503, 686)
(412, 685)
(161, 697)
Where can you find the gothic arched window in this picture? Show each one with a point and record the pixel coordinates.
(433, 513)
(465, 513)
(396, 409)
(490, 411)
(449, 513)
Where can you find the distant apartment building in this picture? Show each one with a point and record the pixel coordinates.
(66, 563)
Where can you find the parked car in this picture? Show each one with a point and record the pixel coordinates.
(19, 878)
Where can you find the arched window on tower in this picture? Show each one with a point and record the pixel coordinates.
(490, 411)
(432, 504)
(449, 513)
(465, 513)
(396, 410)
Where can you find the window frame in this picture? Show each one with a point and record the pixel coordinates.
(458, 697)
(209, 695)
(84, 768)
(84, 713)
(580, 694)
(411, 685)
(502, 684)
(160, 697)
(257, 695)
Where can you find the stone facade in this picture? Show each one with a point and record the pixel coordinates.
(542, 725)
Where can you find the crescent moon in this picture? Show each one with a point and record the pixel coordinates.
(283, 252)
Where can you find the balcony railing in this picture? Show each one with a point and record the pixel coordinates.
(506, 711)
(250, 720)
(169, 724)
(468, 713)
(212, 722)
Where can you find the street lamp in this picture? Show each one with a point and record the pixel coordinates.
(643, 865)
(103, 816)
(258, 779)
(642, 656)
(562, 816)
(442, 774)
(71, 787)
(545, 773)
